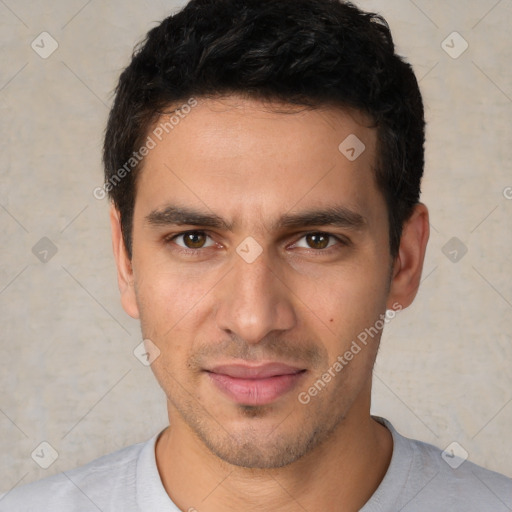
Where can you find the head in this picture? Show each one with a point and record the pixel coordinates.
(264, 159)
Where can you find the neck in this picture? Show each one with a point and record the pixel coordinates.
(341, 473)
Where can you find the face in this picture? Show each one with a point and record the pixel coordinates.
(260, 254)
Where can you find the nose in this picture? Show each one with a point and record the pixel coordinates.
(254, 301)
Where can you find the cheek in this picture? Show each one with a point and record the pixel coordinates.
(344, 308)
(168, 295)
(172, 305)
(345, 297)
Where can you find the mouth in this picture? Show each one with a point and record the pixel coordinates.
(255, 385)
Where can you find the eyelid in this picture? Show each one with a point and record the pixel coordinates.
(172, 238)
(339, 240)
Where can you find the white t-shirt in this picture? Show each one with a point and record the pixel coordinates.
(417, 480)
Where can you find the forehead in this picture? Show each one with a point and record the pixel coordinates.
(244, 160)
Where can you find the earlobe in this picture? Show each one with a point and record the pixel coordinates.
(125, 278)
(409, 261)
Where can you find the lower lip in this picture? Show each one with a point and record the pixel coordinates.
(255, 391)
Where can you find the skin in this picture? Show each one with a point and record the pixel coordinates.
(299, 303)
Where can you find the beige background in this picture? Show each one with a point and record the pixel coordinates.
(67, 371)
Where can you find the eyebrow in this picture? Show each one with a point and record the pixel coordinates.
(338, 216)
(179, 215)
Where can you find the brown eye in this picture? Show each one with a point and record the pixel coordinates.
(193, 240)
(317, 240)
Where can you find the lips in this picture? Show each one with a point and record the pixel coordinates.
(241, 371)
(255, 385)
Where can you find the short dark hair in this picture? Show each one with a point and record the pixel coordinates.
(313, 53)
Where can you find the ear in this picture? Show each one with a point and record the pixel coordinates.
(125, 279)
(408, 264)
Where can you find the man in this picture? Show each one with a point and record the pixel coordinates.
(264, 160)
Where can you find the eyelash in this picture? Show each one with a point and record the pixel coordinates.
(193, 252)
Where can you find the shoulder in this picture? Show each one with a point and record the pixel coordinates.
(95, 486)
(440, 480)
(456, 482)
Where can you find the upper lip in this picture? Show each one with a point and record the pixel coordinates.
(263, 371)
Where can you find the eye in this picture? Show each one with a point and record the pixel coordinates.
(318, 241)
(192, 240)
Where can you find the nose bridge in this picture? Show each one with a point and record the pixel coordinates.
(254, 301)
(254, 280)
